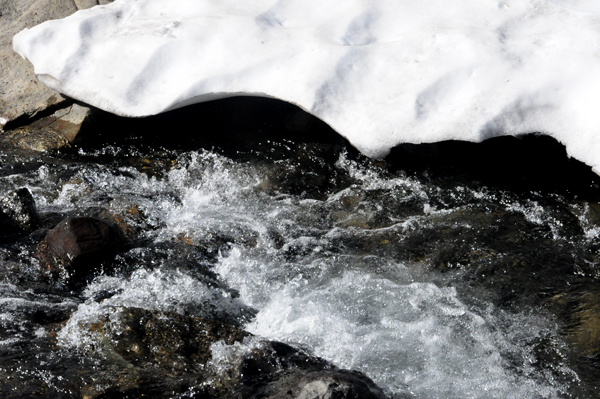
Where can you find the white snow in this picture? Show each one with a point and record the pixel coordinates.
(379, 72)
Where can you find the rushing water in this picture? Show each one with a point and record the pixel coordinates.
(432, 290)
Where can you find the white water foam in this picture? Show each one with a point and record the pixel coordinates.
(388, 319)
(408, 336)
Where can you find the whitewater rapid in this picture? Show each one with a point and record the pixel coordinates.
(406, 326)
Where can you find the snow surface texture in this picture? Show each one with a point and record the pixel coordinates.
(379, 72)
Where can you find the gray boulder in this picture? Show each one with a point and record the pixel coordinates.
(21, 95)
(22, 98)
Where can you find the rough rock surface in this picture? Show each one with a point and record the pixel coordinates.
(276, 370)
(335, 384)
(77, 246)
(21, 94)
(165, 353)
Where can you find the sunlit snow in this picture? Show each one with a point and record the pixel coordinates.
(379, 72)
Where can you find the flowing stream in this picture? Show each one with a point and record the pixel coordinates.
(433, 290)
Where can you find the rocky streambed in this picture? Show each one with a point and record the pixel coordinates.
(258, 255)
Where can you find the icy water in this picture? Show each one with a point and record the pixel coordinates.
(433, 285)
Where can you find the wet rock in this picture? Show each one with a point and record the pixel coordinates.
(175, 343)
(580, 308)
(308, 170)
(540, 163)
(593, 212)
(276, 370)
(18, 386)
(158, 165)
(340, 384)
(77, 247)
(159, 353)
(173, 255)
(176, 257)
(18, 213)
(131, 220)
(215, 242)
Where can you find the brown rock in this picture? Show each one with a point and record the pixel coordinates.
(55, 131)
(173, 342)
(78, 246)
(159, 351)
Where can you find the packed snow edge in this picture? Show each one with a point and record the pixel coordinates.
(379, 73)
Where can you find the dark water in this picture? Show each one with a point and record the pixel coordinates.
(446, 271)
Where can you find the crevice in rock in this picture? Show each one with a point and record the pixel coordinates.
(25, 120)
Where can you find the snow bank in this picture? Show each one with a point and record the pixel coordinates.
(379, 72)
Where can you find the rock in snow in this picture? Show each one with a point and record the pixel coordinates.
(379, 72)
(21, 96)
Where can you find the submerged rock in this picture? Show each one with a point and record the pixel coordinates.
(173, 342)
(339, 384)
(77, 246)
(276, 370)
(388, 228)
(308, 171)
(18, 213)
(160, 354)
